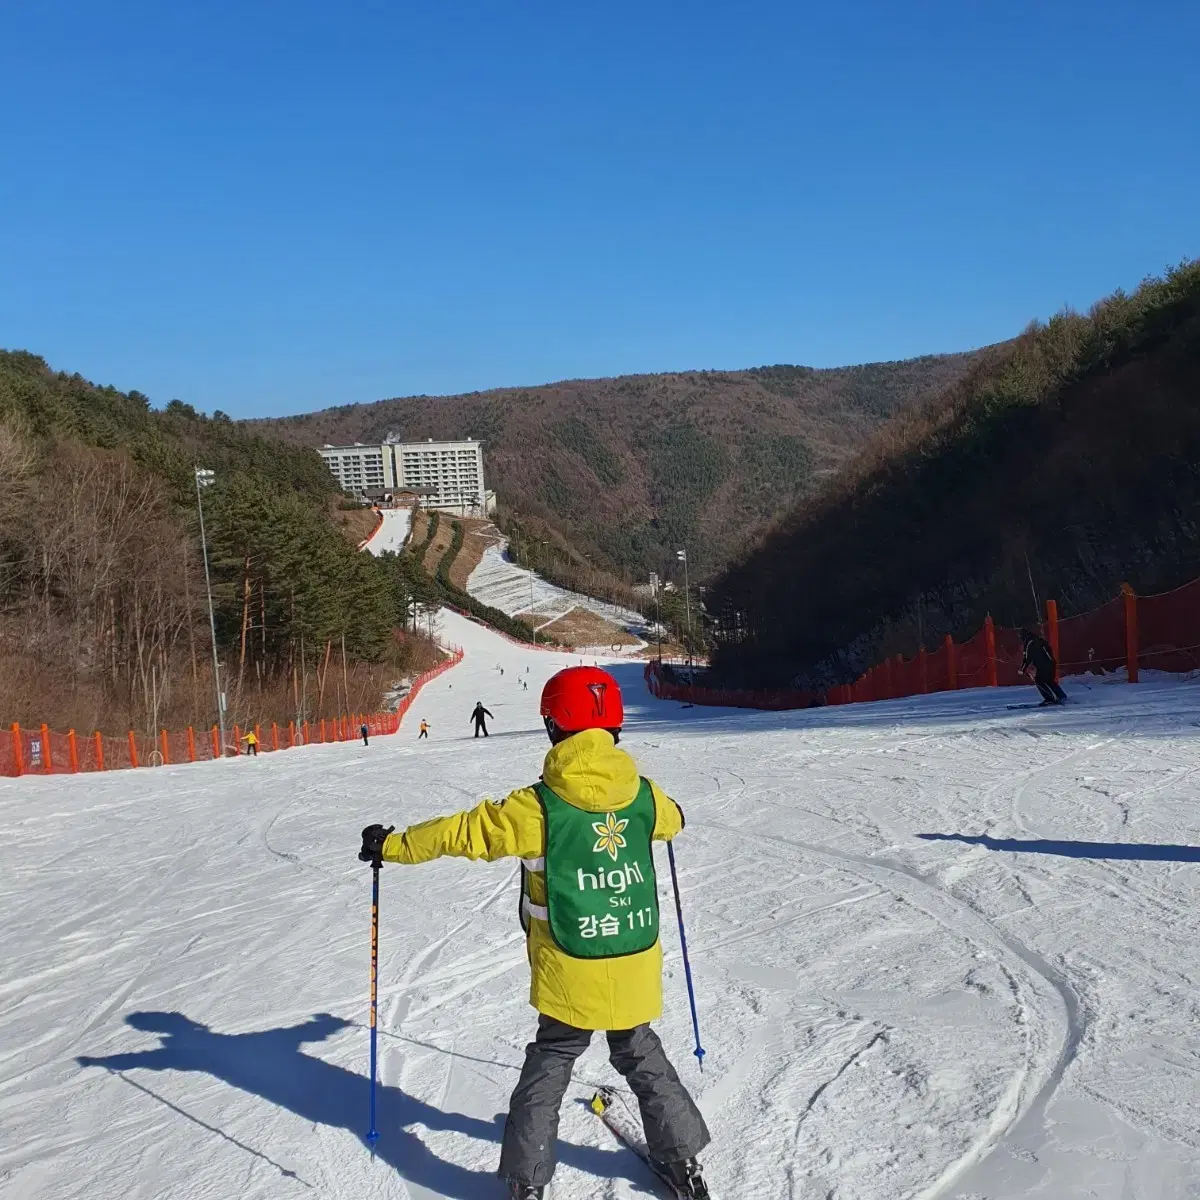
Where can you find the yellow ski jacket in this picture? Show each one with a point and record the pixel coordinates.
(590, 772)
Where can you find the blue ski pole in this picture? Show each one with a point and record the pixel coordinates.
(373, 1133)
(687, 966)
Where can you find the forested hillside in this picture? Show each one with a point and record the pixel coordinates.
(1066, 464)
(624, 470)
(103, 618)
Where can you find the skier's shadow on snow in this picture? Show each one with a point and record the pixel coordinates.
(270, 1063)
(1129, 851)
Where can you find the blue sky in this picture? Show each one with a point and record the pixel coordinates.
(269, 207)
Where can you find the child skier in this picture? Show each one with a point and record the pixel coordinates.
(589, 906)
(424, 730)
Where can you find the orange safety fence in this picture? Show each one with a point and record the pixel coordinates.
(1129, 633)
(371, 536)
(44, 751)
(1160, 620)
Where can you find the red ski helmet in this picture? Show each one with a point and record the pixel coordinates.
(583, 698)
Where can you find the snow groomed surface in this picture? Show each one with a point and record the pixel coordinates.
(942, 949)
(392, 533)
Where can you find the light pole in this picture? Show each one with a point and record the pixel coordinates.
(655, 587)
(687, 599)
(203, 480)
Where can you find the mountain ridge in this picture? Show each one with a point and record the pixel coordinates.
(1059, 467)
(622, 470)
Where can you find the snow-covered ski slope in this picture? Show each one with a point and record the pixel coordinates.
(499, 582)
(392, 532)
(942, 950)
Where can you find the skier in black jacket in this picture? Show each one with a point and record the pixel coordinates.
(478, 717)
(1040, 657)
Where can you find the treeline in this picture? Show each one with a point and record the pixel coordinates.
(1062, 464)
(103, 611)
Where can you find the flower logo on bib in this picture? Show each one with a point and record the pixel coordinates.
(610, 839)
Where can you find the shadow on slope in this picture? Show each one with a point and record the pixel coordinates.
(1129, 851)
(269, 1063)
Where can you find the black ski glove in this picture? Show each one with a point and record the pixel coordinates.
(373, 838)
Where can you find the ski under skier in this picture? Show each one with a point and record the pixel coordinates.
(589, 907)
(1040, 657)
(478, 717)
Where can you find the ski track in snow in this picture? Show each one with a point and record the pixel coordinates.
(886, 1017)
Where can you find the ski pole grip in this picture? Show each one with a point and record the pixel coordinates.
(374, 855)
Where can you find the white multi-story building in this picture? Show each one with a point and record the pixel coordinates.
(360, 468)
(446, 475)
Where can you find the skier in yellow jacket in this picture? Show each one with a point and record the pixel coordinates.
(589, 905)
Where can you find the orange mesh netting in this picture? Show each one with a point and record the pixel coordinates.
(1169, 630)
(906, 677)
(938, 670)
(1009, 653)
(8, 759)
(1093, 641)
(973, 662)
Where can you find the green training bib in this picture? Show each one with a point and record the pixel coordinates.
(601, 890)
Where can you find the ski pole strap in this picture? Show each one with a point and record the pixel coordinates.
(687, 966)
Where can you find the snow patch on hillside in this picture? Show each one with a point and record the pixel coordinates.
(498, 581)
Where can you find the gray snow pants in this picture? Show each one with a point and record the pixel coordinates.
(674, 1127)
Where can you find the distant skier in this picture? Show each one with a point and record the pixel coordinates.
(478, 717)
(1040, 657)
(424, 730)
(594, 965)
(363, 731)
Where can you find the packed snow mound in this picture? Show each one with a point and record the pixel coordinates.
(499, 582)
(392, 532)
(942, 950)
